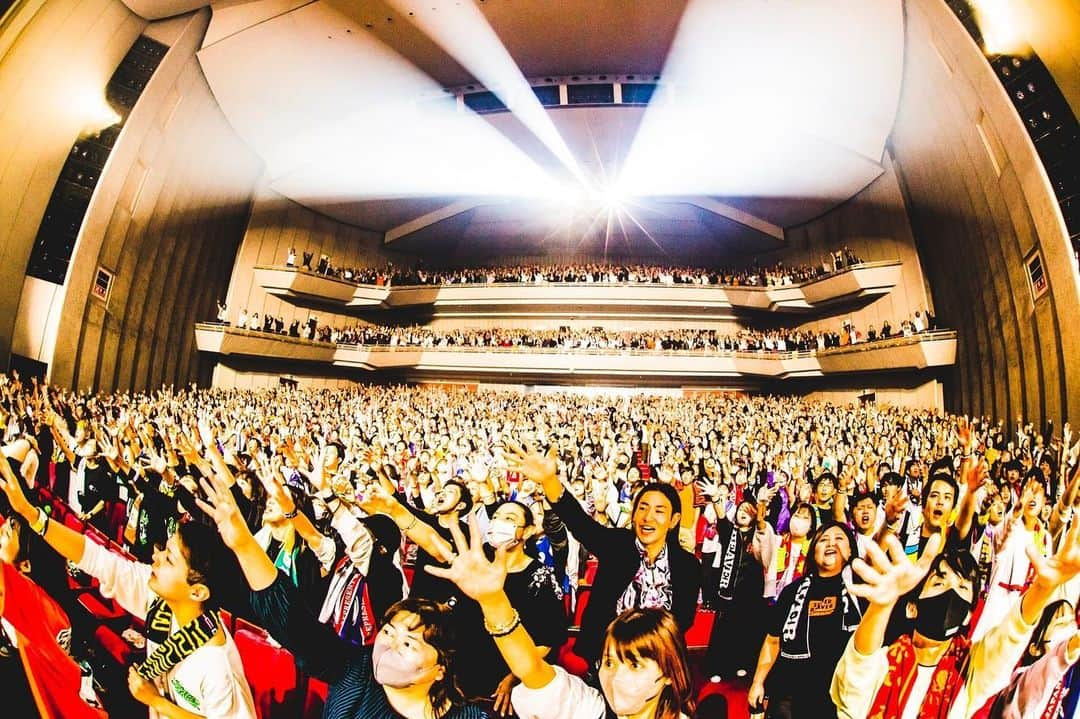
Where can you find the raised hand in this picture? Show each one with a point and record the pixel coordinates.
(896, 505)
(976, 475)
(1053, 571)
(890, 574)
(710, 489)
(221, 506)
(533, 465)
(469, 569)
(963, 434)
(11, 487)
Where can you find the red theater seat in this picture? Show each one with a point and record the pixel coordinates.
(315, 698)
(99, 607)
(698, 635)
(271, 672)
(114, 645)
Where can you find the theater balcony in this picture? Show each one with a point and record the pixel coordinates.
(851, 287)
(922, 352)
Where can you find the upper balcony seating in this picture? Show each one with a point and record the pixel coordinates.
(915, 352)
(852, 284)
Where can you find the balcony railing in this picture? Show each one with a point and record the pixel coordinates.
(303, 287)
(914, 352)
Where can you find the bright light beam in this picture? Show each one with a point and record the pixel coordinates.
(1001, 27)
(771, 99)
(331, 135)
(463, 32)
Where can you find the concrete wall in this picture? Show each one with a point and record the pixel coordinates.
(166, 217)
(928, 395)
(874, 224)
(276, 224)
(980, 203)
(246, 376)
(55, 61)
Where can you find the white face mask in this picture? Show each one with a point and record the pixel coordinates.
(627, 692)
(799, 526)
(500, 532)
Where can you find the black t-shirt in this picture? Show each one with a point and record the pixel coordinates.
(807, 681)
(425, 585)
(537, 599)
(99, 484)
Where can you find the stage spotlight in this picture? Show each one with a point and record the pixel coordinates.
(610, 199)
(95, 110)
(1002, 27)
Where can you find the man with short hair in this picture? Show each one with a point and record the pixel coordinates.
(192, 668)
(640, 567)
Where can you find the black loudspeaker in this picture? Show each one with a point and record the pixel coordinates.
(27, 368)
(81, 172)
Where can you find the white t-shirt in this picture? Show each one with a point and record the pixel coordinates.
(211, 681)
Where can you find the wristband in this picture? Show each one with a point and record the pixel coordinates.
(292, 514)
(504, 629)
(405, 530)
(40, 523)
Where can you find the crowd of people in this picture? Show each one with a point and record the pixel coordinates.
(594, 339)
(858, 561)
(774, 275)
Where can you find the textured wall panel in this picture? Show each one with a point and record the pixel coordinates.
(977, 212)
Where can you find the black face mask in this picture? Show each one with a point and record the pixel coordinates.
(940, 618)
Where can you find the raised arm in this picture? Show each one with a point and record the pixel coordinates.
(69, 543)
(274, 598)
(379, 501)
(483, 581)
(543, 469)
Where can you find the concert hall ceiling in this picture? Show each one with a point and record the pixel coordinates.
(766, 114)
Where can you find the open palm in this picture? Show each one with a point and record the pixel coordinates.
(890, 574)
(534, 465)
(221, 506)
(469, 569)
(1055, 570)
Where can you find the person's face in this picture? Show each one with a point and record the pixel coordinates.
(272, 514)
(743, 518)
(169, 574)
(1013, 476)
(515, 515)
(997, 510)
(1035, 497)
(400, 644)
(629, 685)
(824, 491)
(863, 514)
(653, 518)
(1061, 626)
(832, 551)
(447, 499)
(939, 504)
(945, 578)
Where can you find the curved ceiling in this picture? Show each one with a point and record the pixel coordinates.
(774, 106)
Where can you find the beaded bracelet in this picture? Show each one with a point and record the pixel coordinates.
(502, 631)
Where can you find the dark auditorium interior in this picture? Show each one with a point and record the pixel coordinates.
(536, 359)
